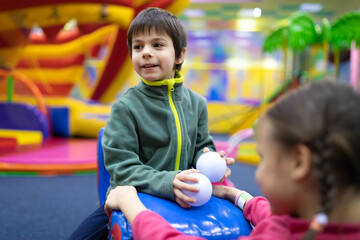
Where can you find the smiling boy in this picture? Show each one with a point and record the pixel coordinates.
(153, 56)
(158, 129)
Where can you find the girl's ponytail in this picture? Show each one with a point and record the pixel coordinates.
(317, 225)
(322, 158)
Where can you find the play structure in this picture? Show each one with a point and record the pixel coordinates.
(62, 48)
(299, 39)
(61, 66)
(305, 49)
(346, 34)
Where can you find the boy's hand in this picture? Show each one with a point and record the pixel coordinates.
(179, 184)
(229, 161)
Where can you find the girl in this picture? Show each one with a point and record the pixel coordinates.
(309, 144)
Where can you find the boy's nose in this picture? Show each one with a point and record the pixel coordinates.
(147, 52)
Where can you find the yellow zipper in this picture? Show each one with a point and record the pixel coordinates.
(170, 83)
(177, 122)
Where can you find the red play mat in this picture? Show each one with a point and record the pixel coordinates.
(55, 156)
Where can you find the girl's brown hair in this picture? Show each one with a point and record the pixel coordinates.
(326, 118)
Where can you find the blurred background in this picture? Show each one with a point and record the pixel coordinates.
(63, 63)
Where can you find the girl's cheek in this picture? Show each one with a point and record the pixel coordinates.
(258, 174)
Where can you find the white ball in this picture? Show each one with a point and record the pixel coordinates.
(212, 165)
(204, 195)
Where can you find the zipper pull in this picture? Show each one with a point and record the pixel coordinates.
(171, 83)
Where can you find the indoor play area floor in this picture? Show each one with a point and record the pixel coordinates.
(50, 203)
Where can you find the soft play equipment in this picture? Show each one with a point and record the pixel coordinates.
(68, 59)
(29, 127)
(54, 156)
(63, 117)
(19, 18)
(300, 32)
(345, 35)
(217, 219)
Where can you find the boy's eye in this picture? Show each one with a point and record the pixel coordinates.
(158, 45)
(136, 47)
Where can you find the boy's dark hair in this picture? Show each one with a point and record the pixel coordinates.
(326, 118)
(163, 22)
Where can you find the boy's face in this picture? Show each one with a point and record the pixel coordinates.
(153, 56)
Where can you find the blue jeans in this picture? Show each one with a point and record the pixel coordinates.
(94, 227)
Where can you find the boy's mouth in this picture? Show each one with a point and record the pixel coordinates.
(149, 65)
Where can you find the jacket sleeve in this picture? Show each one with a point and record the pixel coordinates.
(150, 225)
(256, 210)
(204, 138)
(121, 156)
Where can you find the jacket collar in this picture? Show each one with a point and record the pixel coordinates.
(159, 89)
(167, 82)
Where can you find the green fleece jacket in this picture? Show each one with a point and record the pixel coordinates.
(155, 130)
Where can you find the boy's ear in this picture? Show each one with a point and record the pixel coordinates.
(181, 57)
(301, 165)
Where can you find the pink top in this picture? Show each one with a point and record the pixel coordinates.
(150, 225)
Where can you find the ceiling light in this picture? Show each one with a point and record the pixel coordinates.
(194, 13)
(246, 12)
(310, 7)
(250, 12)
(257, 12)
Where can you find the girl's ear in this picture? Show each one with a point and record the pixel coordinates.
(301, 165)
(181, 57)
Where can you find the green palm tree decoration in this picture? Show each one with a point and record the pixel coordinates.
(275, 40)
(299, 33)
(344, 30)
(325, 37)
(302, 31)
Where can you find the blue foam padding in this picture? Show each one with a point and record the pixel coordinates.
(23, 117)
(60, 121)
